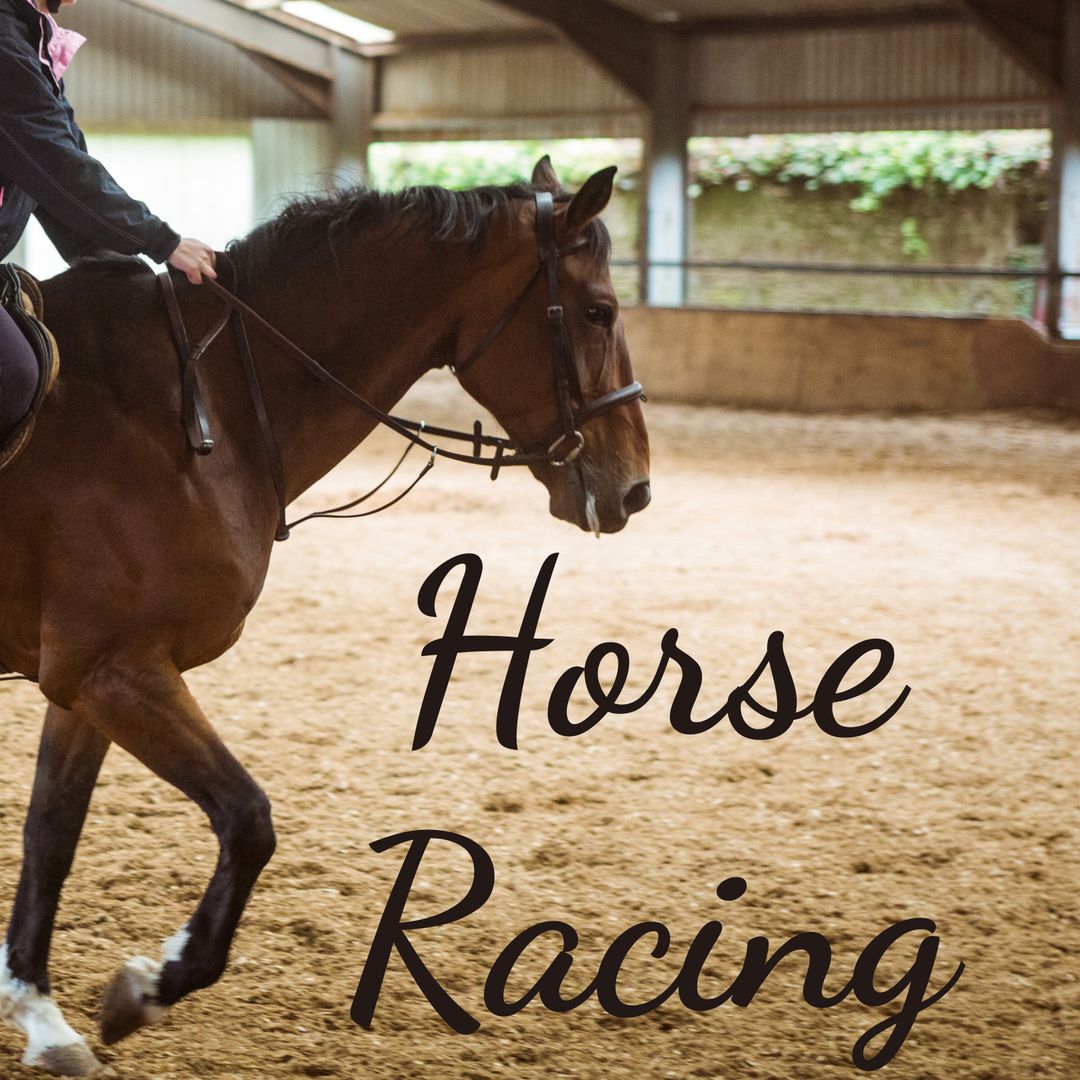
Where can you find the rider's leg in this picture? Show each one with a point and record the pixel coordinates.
(18, 374)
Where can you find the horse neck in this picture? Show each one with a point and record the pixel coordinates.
(378, 322)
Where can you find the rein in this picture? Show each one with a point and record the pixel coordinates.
(574, 411)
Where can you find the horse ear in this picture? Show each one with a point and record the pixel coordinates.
(544, 175)
(589, 203)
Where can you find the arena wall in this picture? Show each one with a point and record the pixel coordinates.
(817, 362)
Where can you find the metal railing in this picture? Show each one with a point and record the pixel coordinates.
(907, 289)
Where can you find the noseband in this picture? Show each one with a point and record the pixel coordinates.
(560, 447)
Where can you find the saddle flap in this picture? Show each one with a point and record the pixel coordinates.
(20, 294)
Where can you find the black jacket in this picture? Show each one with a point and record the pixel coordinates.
(44, 167)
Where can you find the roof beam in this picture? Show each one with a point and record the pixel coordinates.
(622, 43)
(249, 30)
(482, 39)
(825, 20)
(1030, 31)
(316, 90)
(261, 30)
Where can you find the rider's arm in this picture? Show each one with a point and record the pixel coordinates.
(71, 244)
(43, 153)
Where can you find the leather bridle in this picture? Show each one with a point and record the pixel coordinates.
(559, 447)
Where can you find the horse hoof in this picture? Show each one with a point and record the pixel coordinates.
(75, 1059)
(130, 1000)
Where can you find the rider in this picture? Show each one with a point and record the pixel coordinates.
(45, 170)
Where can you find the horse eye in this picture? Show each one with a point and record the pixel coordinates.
(602, 315)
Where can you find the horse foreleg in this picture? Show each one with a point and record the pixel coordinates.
(69, 759)
(152, 715)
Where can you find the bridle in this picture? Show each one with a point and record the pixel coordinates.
(560, 447)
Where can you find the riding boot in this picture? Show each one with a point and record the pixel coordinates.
(19, 375)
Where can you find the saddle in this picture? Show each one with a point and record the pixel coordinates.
(20, 294)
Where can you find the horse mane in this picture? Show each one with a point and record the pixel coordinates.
(316, 225)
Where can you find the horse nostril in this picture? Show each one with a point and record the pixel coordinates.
(637, 498)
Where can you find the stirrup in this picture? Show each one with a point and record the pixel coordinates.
(21, 297)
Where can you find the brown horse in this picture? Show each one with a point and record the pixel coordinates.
(127, 559)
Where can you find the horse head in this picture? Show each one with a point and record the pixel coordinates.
(521, 330)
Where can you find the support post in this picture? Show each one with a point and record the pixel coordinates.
(353, 115)
(1063, 205)
(291, 157)
(665, 174)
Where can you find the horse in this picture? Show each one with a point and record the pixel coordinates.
(128, 559)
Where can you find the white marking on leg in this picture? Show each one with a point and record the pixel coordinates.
(35, 1014)
(144, 976)
(173, 948)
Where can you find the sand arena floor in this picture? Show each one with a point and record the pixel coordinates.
(956, 539)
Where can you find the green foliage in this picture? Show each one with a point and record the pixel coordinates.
(877, 164)
(873, 165)
(912, 242)
(472, 164)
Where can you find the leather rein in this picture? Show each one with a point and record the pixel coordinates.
(562, 447)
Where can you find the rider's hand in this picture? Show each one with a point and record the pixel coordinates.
(195, 259)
